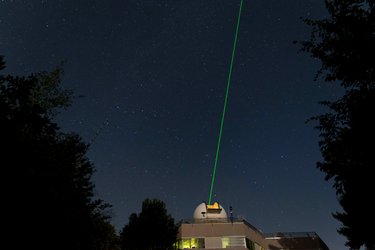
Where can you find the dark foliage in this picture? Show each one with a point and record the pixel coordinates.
(345, 44)
(153, 228)
(49, 192)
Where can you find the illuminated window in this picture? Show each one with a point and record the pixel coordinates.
(225, 242)
(191, 243)
(233, 241)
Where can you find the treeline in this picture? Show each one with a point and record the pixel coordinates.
(49, 194)
(344, 43)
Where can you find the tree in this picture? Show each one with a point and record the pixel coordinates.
(49, 193)
(344, 43)
(153, 228)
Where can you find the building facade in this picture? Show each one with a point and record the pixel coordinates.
(211, 228)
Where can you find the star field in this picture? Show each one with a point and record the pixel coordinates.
(150, 79)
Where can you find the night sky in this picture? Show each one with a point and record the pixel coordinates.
(152, 76)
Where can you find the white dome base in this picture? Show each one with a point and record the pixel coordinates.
(214, 211)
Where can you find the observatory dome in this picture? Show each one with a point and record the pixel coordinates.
(214, 211)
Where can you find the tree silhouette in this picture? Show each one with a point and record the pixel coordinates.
(345, 44)
(153, 228)
(49, 192)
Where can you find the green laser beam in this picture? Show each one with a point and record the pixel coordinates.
(225, 104)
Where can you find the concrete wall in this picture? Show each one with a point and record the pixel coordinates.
(199, 230)
(212, 231)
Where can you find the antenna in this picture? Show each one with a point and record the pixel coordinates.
(231, 213)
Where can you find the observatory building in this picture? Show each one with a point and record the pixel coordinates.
(211, 228)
